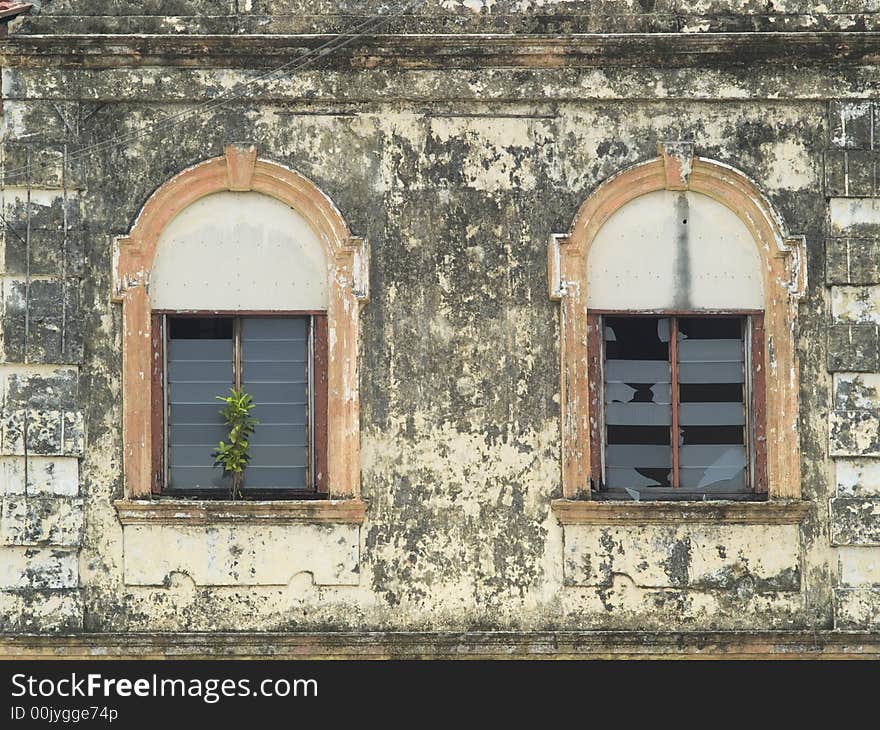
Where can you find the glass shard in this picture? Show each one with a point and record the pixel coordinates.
(638, 411)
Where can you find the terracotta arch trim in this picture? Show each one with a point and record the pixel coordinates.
(239, 169)
(783, 259)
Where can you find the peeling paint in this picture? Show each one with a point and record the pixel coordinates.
(458, 179)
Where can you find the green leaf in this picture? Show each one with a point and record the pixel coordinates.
(234, 456)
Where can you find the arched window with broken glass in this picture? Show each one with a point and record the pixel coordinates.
(675, 310)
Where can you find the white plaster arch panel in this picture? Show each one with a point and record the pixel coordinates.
(674, 250)
(239, 251)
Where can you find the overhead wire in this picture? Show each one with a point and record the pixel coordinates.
(340, 40)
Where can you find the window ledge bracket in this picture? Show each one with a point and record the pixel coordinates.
(588, 512)
(183, 512)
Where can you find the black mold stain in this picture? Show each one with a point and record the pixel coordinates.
(422, 221)
(677, 564)
(682, 253)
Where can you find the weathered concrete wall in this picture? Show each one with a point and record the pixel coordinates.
(854, 425)
(451, 16)
(457, 179)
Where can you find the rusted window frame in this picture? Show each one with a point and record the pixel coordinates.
(317, 390)
(754, 399)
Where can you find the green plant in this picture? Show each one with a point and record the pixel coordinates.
(234, 455)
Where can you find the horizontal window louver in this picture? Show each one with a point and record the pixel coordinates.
(275, 371)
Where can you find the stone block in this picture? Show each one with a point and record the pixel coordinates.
(41, 321)
(857, 477)
(835, 174)
(854, 433)
(43, 251)
(856, 391)
(56, 390)
(40, 476)
(854, 216)
(41, 520)
(41, 208)
(851, 173)
(855, 521)
(859, 566)
(41, 568)
(837, 260)
(41, 433)
(864, 260)
(861, 177)
(850, 124)
(852, 348)
(855, 304)
(40, 163)
(857, 609)
(852, 260)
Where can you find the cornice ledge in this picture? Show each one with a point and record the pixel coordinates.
(191, 512)
(740, 644)
(436, 51)
(592, 512)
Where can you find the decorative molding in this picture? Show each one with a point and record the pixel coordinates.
(592, 512)
(240, 161)
(796, 248)
(348, 276)
(678, 158)
(11, 11)
(802, 644)
(783, 257)
(438, 51)
(554, 266)
(183, 512)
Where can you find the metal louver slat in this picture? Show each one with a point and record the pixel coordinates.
(199, 369)
(275, 372)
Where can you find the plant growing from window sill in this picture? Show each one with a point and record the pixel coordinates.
(235, 455)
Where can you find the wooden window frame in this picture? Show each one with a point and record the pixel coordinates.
(754, 394)
(783, 260)
(317, 389)
(347, 256)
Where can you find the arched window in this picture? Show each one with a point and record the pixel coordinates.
(240, 273)
(679, 376)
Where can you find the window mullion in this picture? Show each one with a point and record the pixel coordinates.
(673, 377)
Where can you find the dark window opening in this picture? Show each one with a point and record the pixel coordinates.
(676, 406)
(638, 403)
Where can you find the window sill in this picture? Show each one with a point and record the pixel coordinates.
(184, 512)
(589, 512)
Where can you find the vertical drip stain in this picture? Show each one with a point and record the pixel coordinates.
(27, 256)
(27, 309)
(682, 294)
(65, 225)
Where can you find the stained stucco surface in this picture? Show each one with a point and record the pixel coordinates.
(457, 179)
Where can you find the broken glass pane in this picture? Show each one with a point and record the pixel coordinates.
(638, 413)
(712, 420)
(638, 393)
